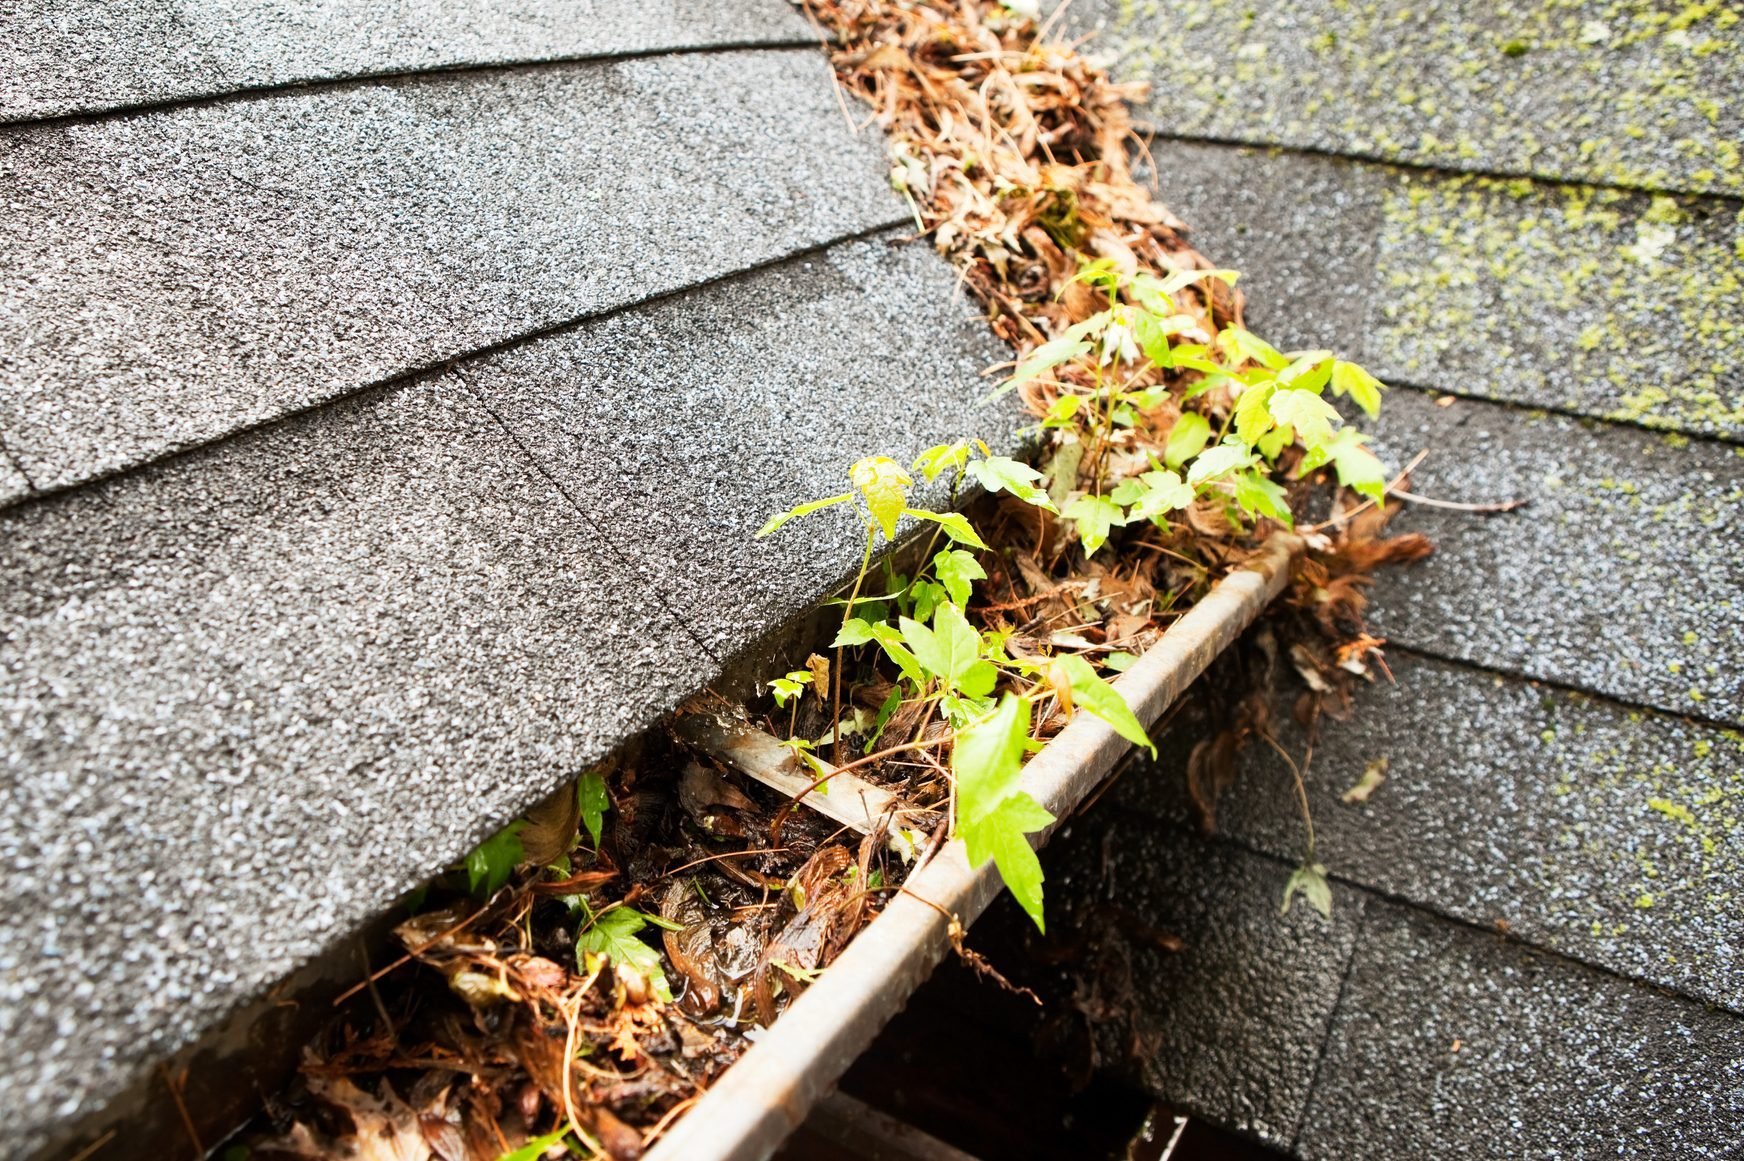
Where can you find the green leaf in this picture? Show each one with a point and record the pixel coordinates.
(1061, 411)
(595, 801)
(1311, 416)
(928, 595)
(1153, 334)
(957, 571)
(1184, 278)
(1002, 474)
(489, 864)
(1218, 462)
(1308, 371)
(987, 759)
(1152, 495)
(1358, 468)
(1186, 439)
(805, 509)
(1252, 417)
(884, 486)
(1241, 343)
(891, 642)
(935, 460)
(785, 689)
(1310, 879)
(1350, 379)
(536, 1149)
(613, 937)
(1090, 692)
(951, 651)
(1045, 358)
(1258, 493)
(955, 524)
(854, 631)
(1095, 517)
(999, 836)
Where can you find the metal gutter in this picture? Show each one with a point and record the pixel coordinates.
(764, 1097)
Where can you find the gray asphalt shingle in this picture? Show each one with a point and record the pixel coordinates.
(1232, 1023)
(1636, 303)
(1648, 95)
(288, 675)
(1552, 1060)
(60, 58)
(678, 433)
(1610, 835)
(181, 274)
(1622, 577)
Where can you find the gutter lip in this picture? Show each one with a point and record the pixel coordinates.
(767, 1094)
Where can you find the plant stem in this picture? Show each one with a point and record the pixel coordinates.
(847, 615)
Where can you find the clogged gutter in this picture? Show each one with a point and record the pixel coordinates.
(589, 973)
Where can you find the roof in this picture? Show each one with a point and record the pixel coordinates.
(1534, 946)
(383, 447)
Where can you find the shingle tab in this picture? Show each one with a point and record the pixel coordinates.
(267, 688)
(59, 58)
(1455, 1043)
(1622, 576)
(1643, 95)
(681, 436)
(1587, 300)
(1233, 1021)
(181, 274)
(1607, 834)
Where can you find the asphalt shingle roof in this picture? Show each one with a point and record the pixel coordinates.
(59, 59)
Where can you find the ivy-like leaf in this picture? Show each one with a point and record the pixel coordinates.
(1253, 418)
(805, 509)
(1358, 468)
(536, 1149)
(1308, 371)
(1152, 495)
(595, 801)
(1186, 439)
(613, 937)
(957, 570)
(854, 631)
(955, 524)
(1218, 462)
(1311, 416)
(1091, 693)
(935, 460)
(951, 651)
(884, 486)
(1310, 879)
(891, 642)
(1241, 343)
(1350, 379)
(1095, 516)
(987, 759)
(1003, 474)
(489, 864)
(1259, 493)
(1000, 836)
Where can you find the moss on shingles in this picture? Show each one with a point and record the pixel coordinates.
(1688, 859)
(1629, 92)
(1624, 306)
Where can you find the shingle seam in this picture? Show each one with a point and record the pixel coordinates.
(1371, 892)
(17, 466)
(1362, 925)
(126, 111)
(448, 363)
(537, 464)
(1151, 132)
(1707, 437)
(1614, 700)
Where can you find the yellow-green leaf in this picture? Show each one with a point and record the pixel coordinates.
(884, 486)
